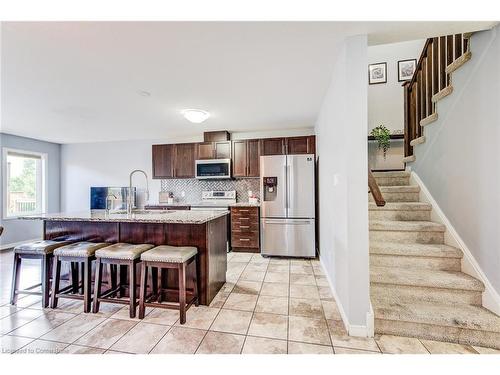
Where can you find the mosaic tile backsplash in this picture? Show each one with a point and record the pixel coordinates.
(193, 187)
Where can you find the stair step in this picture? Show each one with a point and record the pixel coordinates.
(403, 211)
(412, 294)
(406, 226)
(399, 193)
(415, 250)
(426, 232)
(465, 324)
(395, 178)
(436, 257)
(425, 278)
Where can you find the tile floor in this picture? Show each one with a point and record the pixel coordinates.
(268, 306)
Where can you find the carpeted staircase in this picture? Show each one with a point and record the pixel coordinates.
(417, 287)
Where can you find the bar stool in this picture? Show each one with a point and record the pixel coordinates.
(80, 253)
(42, 250)
(170, 257)
(119, 254)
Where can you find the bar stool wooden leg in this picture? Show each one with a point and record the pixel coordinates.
(87, 283)
(45, 281)
(122, 271)
(15, 278)
(194, 270)
(154, 280)
(143, 287)
(82, 278)
(113, 275)
(56, 269)
(132, 288)
(74, 277)
(182, 291)
(97, 285)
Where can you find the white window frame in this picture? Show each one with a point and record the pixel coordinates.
(44, 177)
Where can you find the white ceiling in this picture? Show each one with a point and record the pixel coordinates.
(70, 82)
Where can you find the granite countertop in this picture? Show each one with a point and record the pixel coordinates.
(141, 216)
(244, 204)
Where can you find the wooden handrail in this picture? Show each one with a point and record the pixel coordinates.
(429, 79)
(375, 190)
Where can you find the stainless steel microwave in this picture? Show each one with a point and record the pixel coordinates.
(213, 169)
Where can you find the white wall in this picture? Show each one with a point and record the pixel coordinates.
(110, 163)
(385, 100)
(16, 231)
(343, 201)
(460, 161)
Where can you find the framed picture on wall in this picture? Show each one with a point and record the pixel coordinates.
(377, 73)
(406, 68)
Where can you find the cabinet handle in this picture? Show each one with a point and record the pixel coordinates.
(244, 226)
(244, 239)
(244, 218)
(243, 210)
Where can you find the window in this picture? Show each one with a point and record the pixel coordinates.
(24, 182)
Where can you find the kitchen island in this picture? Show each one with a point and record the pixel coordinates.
(205, 230)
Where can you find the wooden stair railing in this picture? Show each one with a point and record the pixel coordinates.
(430, 80)
(375, 190)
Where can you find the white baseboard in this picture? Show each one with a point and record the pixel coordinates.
(491, 299)
(14, 244)
(352, 329)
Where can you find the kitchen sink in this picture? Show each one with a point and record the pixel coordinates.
(142, 212)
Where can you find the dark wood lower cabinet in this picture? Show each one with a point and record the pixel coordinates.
(245, 231)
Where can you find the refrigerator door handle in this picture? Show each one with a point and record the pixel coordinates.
(285, 194)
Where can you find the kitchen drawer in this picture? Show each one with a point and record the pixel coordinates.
(254, 211)
(251, 214)
(242, 226)
(250, 240)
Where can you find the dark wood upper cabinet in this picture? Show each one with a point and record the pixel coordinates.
(163, 161)
(223, 150)
(246, 158)
(311, 144)
(253, 158)
(301, 145)
(296, 145)
(205, 150)
(184, 160)
(272, 146)
(239, 158)
(216, 136)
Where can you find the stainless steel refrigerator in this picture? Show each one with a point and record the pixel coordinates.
(287, 213)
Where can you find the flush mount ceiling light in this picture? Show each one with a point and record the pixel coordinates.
(144, 93)
(195, 115)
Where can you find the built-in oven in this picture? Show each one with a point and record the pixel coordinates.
(213, 169)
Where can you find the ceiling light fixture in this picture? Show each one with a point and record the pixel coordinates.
(144, 93)
(195, 115)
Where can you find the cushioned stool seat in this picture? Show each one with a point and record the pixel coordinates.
(123, 251)
(169, 254)
(43, 251)
(39, 247)
(79, 249)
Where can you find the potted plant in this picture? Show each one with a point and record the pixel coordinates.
(383, 136)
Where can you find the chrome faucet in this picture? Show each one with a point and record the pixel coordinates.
(129, 200)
